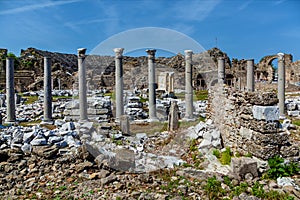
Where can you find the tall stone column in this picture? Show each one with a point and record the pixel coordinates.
(47, 91)
(221, 71)
(250, 75)
(152, 84)
(10, 91)
(171, 82)
(119, 82)
(82, 85)
(189, 108)
(281, 84)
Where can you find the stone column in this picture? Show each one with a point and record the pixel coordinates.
(10, 91)
(47, 91)
(152, 84)
(171, 82)
(59, 86)
(250, 75)
(82, 85)
(281, 84)
(221, 71)
(119, 82)
(189, 108)
(173, 117)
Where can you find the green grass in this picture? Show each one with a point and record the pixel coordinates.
(112, 95)
(55, 98)
(198, 95)
(296, 122)
(30, 99)
(201, 95)
(30, 123)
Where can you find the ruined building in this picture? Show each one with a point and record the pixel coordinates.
(101, 69)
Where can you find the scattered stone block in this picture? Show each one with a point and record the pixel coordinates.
(124, 124)
(268, 113)
(242, 166)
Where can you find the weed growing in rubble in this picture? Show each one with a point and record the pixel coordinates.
(193, 145)
(279, 169)
(213, 188)
(224, 157)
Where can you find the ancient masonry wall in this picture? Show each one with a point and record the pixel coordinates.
(247, 122)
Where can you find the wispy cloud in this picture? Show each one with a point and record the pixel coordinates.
(194, 10)
(245, 5)
(75, 25)
(36, 6)
(279, 2)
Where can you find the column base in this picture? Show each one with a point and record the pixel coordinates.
(47, 122)
(83, 120)
(11, 122)
(189, 119)
(153, 120)
(282, 117)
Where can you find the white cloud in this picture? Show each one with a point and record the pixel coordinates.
(279, 2)
(245, 5)
(194, 10)
(36, 6)
(75, 25)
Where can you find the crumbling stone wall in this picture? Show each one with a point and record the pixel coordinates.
(234, 114)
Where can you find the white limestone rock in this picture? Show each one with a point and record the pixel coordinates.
(268, 113)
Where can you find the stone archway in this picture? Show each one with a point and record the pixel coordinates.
(200, 82)
(265, 71)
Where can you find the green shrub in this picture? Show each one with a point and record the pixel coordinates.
(257, 190)
(240, 189)
(216, 153)
(213, 188)
(193, 145)
(227, 181)
(226, 156)
(279, 169)
(275, 195)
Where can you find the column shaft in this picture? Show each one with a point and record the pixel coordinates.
(82, 85)
(221, 71)
(188, 85)
(47, 90)
(152, 84)
(10, 91)
(281, 84)
(119, 82)
(250, 75)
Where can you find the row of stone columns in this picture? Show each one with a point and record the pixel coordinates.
(152, 84)
(10, 93)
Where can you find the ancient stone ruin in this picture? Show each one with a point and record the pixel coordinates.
(145, 142)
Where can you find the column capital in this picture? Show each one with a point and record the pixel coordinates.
(118, 52)
(9, 58)
(151, 53)
(280, 56)
(81, 52)
(188, 53)
(221, 58)
(250, 60)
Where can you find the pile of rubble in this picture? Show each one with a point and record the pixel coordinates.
(293, 107)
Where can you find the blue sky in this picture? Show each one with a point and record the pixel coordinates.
(244, 29)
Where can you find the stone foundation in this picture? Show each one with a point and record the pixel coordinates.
(249, 123)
